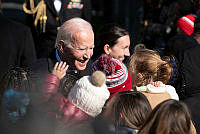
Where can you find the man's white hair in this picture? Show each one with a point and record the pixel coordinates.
(68, 30)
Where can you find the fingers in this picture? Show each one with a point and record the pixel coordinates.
(157, 83)
(55, 66)
(65, 68)
(60, 69)
(61, 66)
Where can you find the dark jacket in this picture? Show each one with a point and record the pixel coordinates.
(178, 44)
(194, 107)
(46, 42)
(17, 47)
(190, 71)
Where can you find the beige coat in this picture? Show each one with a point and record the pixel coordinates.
(156, 98)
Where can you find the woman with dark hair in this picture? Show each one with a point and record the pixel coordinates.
(112, 40)
(169, 117)
(128, 110)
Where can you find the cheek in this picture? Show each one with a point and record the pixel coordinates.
(117, 53)
(91, 52)
(78, 55)
(121, 52)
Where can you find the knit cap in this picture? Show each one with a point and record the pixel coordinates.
(90, 93)
(117, 76)
(186, 23)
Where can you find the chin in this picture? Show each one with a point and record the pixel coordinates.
(81, 66)
(121, 59)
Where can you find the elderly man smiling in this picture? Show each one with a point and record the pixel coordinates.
(74, 45)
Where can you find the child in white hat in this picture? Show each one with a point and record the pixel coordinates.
(85, 100)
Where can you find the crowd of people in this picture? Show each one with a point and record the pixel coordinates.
(85, 81)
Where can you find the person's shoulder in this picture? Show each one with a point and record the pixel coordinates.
(182, 39)
(156, 98)
(180, 43)
(20, 27)
(191, 56)
(193, 50)
(12, 25)
(41, 65)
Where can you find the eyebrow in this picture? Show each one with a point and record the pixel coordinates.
(85, 46)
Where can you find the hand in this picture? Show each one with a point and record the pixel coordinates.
(157, 83)
(60, 69)
(146, 23)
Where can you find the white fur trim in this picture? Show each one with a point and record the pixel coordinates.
(163, 88)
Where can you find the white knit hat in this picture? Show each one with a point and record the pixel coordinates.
(90, 93)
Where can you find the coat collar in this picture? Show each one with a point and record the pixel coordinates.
(51, 7)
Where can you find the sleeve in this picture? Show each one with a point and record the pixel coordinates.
(50, 87)
(29, 53)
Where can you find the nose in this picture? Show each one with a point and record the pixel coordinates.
(127, 52)
(87, 54)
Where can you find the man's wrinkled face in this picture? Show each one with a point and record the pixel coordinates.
(78, 54)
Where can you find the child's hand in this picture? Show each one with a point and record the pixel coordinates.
(157, 83)
(60, 69)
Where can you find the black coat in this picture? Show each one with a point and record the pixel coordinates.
(190, 71)
(178, 44)
(17, 47)
(46, 42)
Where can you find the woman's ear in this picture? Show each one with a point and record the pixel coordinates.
(107, 49)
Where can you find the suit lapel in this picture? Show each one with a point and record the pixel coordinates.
(50, 6)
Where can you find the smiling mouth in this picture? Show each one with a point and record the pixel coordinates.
(82, 61)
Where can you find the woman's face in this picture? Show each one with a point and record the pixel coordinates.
(121, 49)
